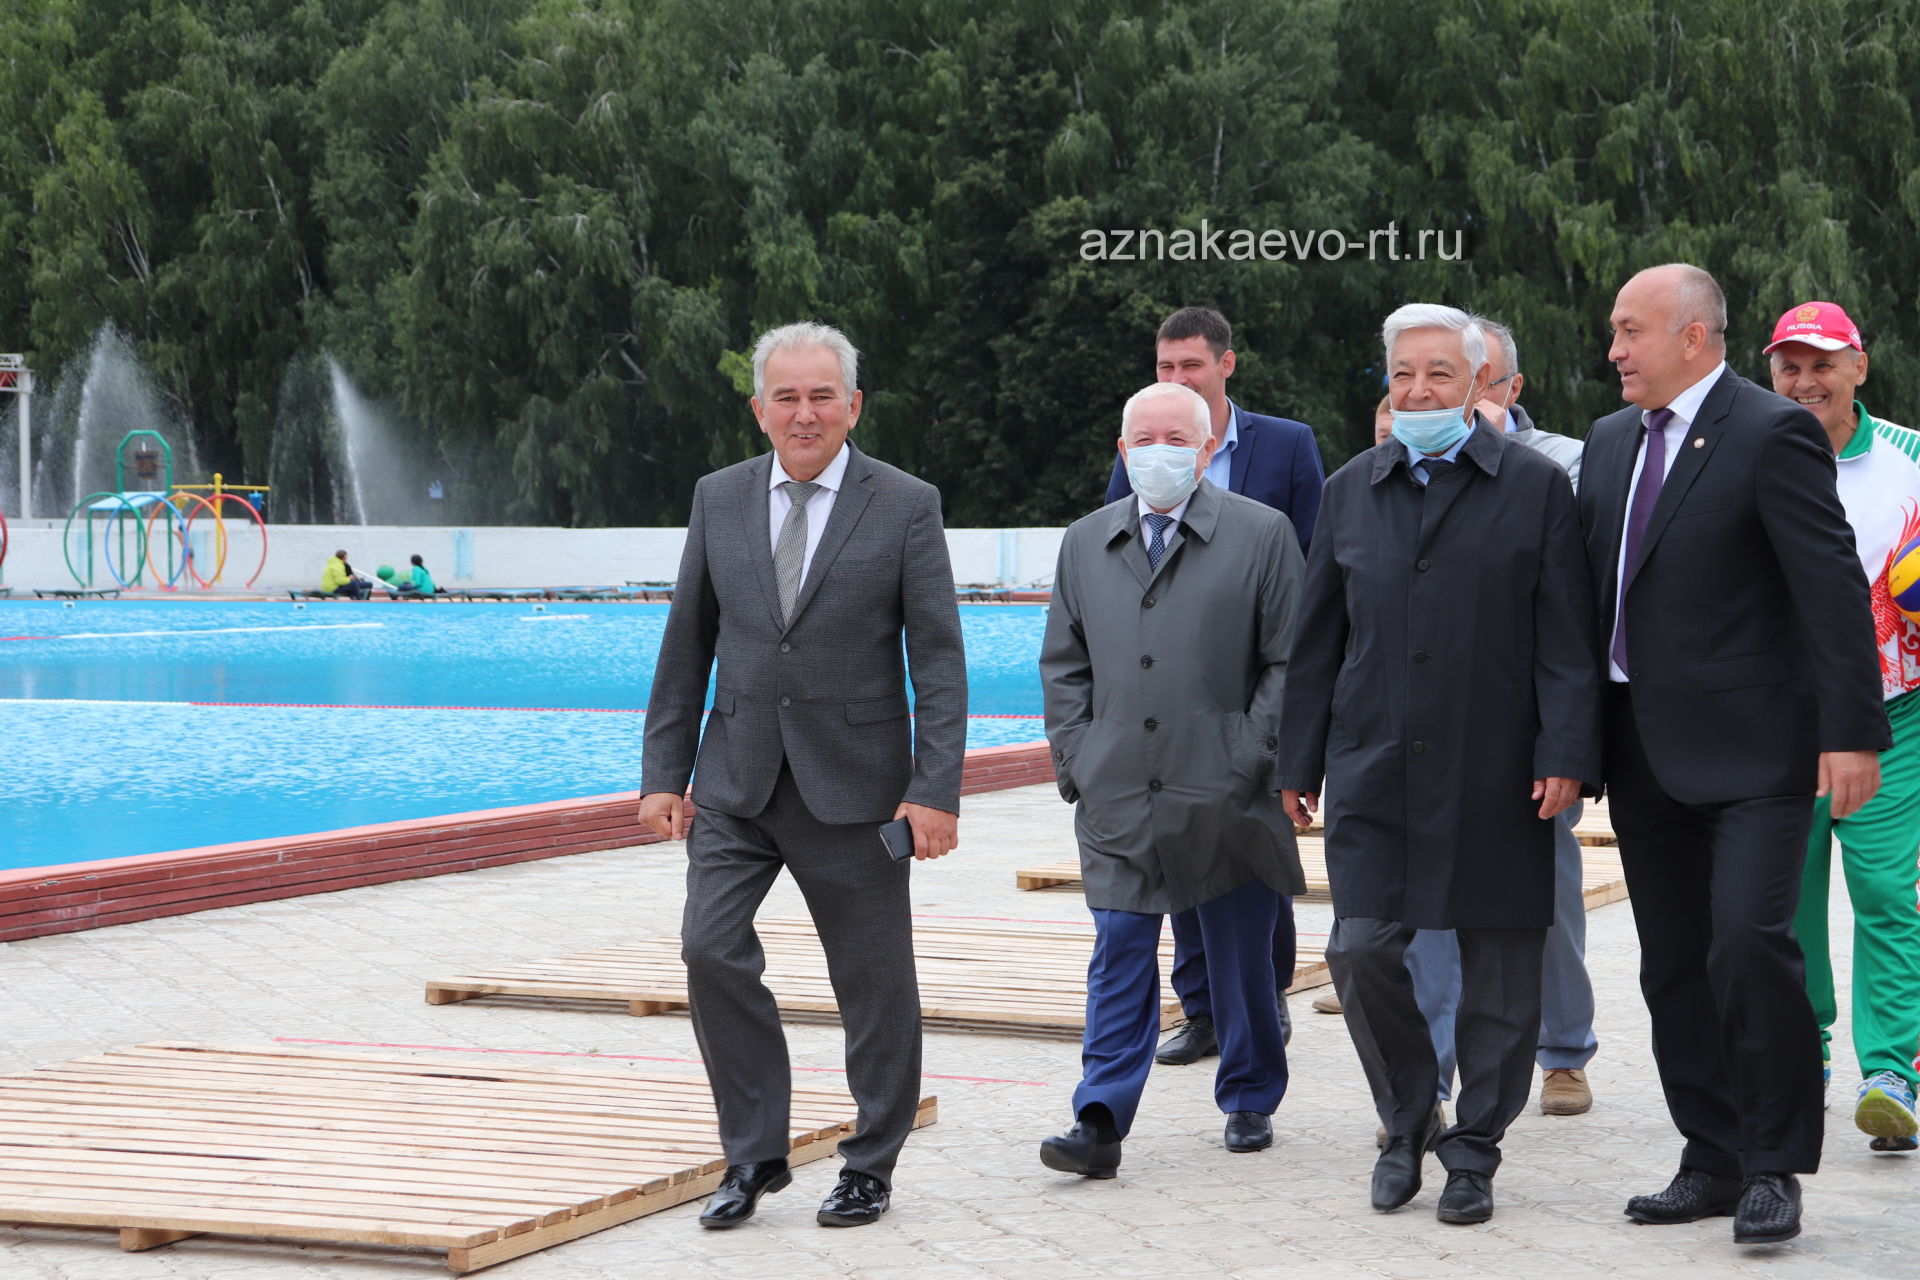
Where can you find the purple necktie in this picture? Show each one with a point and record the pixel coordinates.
(1653, 474)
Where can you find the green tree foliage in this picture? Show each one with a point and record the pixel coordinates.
(546, 231)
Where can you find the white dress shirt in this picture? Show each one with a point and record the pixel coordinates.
(1686, 407)
(819, 506)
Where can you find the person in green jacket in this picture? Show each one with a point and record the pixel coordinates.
(418, 583)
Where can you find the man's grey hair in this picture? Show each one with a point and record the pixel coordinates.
(1698, 299)
(807, 335)
(1509, 353)
(1202, 416)
(1431, 315)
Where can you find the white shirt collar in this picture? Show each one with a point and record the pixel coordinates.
(832, 477)
(1686, 405)
(1174, 514)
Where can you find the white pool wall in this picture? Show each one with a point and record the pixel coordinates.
(488, 556)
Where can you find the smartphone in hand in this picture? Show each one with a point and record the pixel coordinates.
(897, 836)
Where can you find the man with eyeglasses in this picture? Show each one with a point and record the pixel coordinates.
(1500, 406)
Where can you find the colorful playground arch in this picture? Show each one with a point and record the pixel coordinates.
(151, 460)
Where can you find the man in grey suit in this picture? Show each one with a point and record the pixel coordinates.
(1165, 652)
(803, 570)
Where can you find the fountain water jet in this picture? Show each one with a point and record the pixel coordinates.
(95, 402)
(337, 456)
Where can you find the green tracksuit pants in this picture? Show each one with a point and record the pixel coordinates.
(1878, 849)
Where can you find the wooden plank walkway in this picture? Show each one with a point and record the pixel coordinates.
(169, 1140)
(1007, 974)
(1602, 880)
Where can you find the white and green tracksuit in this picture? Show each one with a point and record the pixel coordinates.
(1879, 482)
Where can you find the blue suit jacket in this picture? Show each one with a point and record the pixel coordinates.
(1276, 462)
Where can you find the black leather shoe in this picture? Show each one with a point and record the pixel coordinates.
(1769, 1209)
(1691, 1196)
(1468, 1197)
(857, 1199)
(1079, 1151)
(1396, 1174)
(1194, 1040)
(1249, 1131)
(740, 1190)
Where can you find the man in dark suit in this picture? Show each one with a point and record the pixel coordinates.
(1271, 460)
(803, 570)
(1743, 680)
(1444, 683)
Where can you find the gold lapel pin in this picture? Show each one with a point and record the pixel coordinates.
(1699, 442)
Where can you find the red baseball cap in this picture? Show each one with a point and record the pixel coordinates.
(1818, 324)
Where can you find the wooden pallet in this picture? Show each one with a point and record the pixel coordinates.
(1595, 826)
(1601, 881)
(1006, 974)
(167, 1141)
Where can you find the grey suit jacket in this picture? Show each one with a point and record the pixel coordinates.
(1163, 690)
(828, 693)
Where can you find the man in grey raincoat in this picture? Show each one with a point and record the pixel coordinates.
(1446, 685)
(1164, 659)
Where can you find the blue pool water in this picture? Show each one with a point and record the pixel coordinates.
(134, 728)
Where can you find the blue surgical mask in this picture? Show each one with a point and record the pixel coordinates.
(1163, 474)
(1431, 431)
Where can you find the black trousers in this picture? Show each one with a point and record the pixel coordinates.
(1495, 1031)
(1714, 889)
(857, 896)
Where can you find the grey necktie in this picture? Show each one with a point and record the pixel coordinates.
(790, 552)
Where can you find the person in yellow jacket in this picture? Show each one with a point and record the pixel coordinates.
(339, 579)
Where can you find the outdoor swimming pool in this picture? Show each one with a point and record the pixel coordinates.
(132, 728)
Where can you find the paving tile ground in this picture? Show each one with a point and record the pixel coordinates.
(973, 1201)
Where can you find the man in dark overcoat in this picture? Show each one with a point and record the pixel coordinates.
(1445, 684)
(1164, 657)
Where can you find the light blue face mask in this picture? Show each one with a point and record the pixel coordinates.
(1431, 430)
(1163, 474)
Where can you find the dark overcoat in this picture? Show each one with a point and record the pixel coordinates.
(1163, 691)
(1446, 658)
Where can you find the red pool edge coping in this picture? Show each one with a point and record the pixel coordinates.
(69, 897)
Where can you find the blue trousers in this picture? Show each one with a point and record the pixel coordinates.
(1123, 1006)
(1566, 992)
(1189, 976)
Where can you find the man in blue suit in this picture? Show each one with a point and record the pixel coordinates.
(1271, 460)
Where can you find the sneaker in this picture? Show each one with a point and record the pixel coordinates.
(1885, 1110)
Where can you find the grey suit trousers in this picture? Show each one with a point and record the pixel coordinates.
(1494, 1031)
(858, 899)
(1566, 992)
